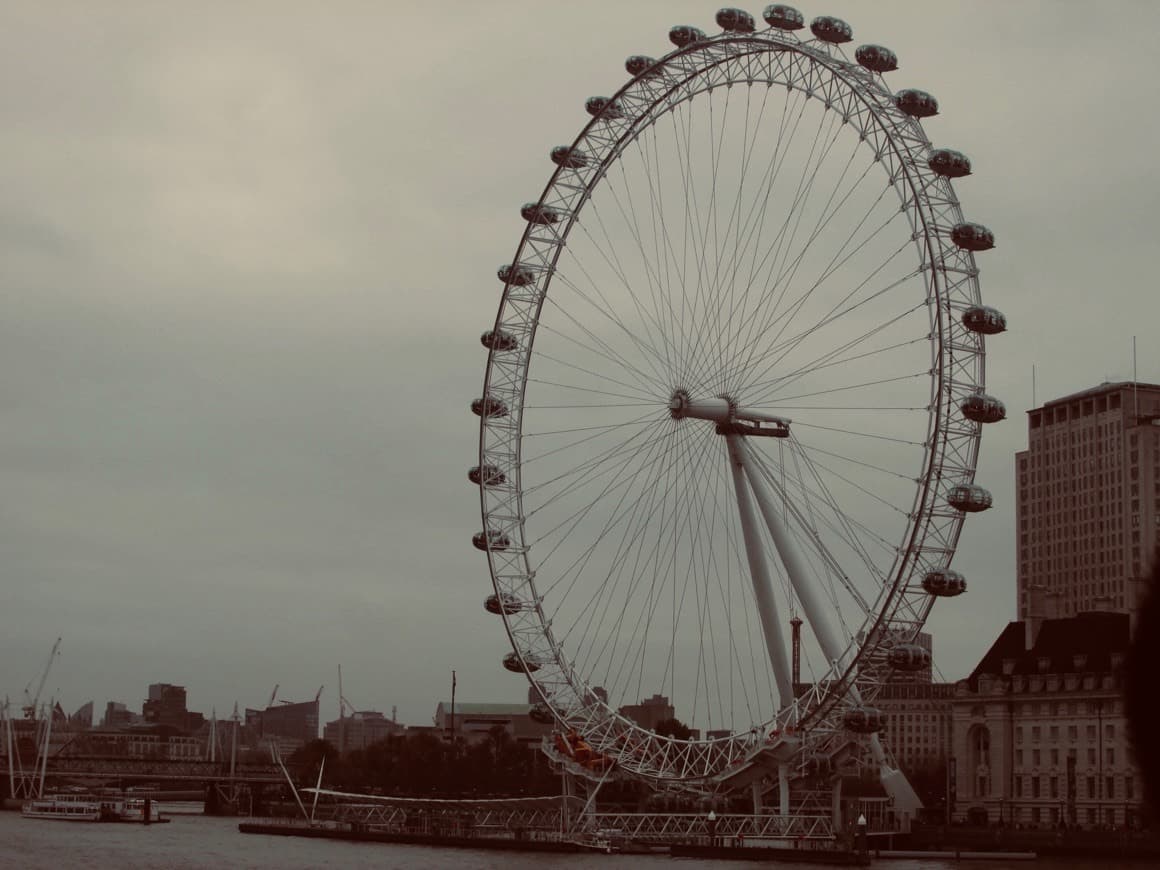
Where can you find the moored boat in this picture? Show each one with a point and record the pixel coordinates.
(82, 807)
(63, 807)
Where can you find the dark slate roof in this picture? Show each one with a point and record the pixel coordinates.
(1094, 635)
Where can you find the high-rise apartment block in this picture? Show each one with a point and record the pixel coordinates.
(1088, 500)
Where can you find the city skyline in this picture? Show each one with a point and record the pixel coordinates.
(248, 260)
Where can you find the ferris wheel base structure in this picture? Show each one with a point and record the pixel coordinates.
(736, 380)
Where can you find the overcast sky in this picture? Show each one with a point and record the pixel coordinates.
(246, 252)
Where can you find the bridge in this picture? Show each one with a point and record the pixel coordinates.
(159, 769)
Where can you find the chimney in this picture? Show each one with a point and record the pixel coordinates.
(1036, 613)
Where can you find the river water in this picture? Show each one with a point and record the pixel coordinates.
(195, 841)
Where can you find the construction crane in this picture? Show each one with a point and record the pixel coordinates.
(31, 699)
(273, 695)
(319, 693)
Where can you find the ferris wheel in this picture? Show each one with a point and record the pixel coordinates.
(732, 403)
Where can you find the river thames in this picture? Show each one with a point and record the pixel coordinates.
(194, 841)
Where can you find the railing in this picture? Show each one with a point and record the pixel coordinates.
(667, 827)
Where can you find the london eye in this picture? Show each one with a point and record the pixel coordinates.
(732, 403)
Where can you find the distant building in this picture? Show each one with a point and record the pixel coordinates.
(474, 721)
(1039, 734)
(83, 717)
(1088, 500)
(166, 706)
(598, 691)
(918, 722)
(650, 712)
(157, 742)
(295, 723)
(360, 730)
(117, 715)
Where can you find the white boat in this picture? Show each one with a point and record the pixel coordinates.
(82, 807)
(63, 807)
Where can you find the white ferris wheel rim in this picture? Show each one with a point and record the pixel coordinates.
(819, 70)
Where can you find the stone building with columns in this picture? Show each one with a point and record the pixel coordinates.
(1039, 735)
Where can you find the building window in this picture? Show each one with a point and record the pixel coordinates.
(1091, 786)
(1035, 758)
(1054, 786)
(1109, 787)
(1129, 788)
(1110, 755)
(1035, 786)
(1054, 757)
(1018, 757)
(1018, 786)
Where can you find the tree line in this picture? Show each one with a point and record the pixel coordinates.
(426, 765)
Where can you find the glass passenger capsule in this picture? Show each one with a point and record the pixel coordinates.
(492, 539)
(486, 475)
(969, 498)
(973, 237)
(683, 35)
(735, 20)
(499, 340)
(603, 107)
(642, 65)
(984, 320)
(944, 583)
(783, 17)
(949, 163)
(982, 408)
(916, 103)
(864, 720)
(512, 663)
(489, 406)
(909, 657)
(569, 157)
(876, 58)
(504, 603)
(538, 213)
(517, 274)
(827, 28)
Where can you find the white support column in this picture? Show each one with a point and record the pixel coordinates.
(755, 793)
(759, 573)
(896, 785)
(808, 593)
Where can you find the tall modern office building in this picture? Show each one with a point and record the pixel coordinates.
(1088, 500)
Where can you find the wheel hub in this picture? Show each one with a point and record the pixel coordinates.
(731, 419)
